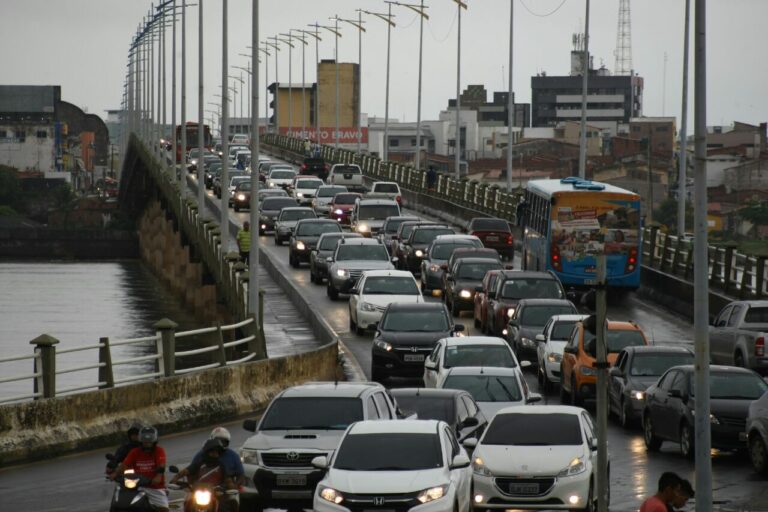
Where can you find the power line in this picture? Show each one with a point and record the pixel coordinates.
(448, 34)
(542, 15)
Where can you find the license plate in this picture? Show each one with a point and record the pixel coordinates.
(491, 239)
(413, 358)
(347, 176)
(524, 488)
(291, 480)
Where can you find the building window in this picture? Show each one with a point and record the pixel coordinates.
(42, 134)
(635, 128)
(662, 128)
(394, 142)
(413, 142)
(21, 135)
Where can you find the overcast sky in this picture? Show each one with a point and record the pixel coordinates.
(82, 46)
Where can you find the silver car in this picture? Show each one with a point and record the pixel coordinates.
(325, 194)
(351, 259)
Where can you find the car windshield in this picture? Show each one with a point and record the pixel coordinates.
(538, 316)
(489, 225)
(362, 252)
(426, 236)
(415, 321)
(476, 271)
(393, 225)
(387, 188)
(734, 386)
(756, 316)
(346, 169)
(531, 289)
(391, 285)
(479, 355)
(443, 251)
(309, 184)
(562, 330)
(312, 413)
(345, 198)
(277, 203)
(330, 191)
(428, 407)
(654, 365)
(487, 388)
(328, 243)
(377, 211)
(244, 186)
(237, 179)
(515, 429)
(282, 175)
(406, 231)
(296, 215)
(389, 452)
(273, 193)
(617, 340)
(317, 228)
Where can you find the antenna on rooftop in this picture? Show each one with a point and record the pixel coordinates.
(623, 50)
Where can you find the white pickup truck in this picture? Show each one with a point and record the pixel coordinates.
(385, 190)
(739, 334)
(348, 175)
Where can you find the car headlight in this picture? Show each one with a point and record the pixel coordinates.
(554, 358)
(249, 456)
(338, 211)
(574, 468)
(241, 197)
(263, 226)
(419, 253)
(637, 395)
(299, 194)
(271, 183)
(434, 268)
(465, 294)
(300, 246)
(332, 495)
(510, 312)
(432, 494)
(587, 370)
(528, 342)
(363, 228)
(341, 272)
(383, 345)
(202, 497)
(367, 306)
(478, 466)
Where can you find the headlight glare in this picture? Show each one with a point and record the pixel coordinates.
(432, 494)
(332, 495)
(363, 228)
(478, 466)
(203, 497)
(510, 312)
(341, 272)
(241, 197)
(383, 345)
(574, 468)
(637, 395)
(338, 211)
(419, 253)
(300, 246)
(465, 294)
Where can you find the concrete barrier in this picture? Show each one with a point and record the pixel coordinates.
(676, 293)
(46, 428)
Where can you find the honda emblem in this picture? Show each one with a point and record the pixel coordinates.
(378, 501)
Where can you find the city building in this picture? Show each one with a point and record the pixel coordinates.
(739, 134)
(661, 132)
(494, 113)
(290, 104)
(611, 100)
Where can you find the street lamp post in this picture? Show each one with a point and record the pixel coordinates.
(337, 34)
(183, 120)
(460, 5)
(276, 108)
(248, 74)
(304, 44)
(224, 227)
(317, 81)
(358, 23)
(317, 40)
(584, 90)
(682, 176)
(510, 99)
(253, 256)
(291, 46)
(387, 18)
(200, 114)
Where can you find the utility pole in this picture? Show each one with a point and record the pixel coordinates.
(387, 18)
(510, 99)
(602, 385)
(703, 430)
(459, 5)
(303, 40)
(335, 31)
(183, 122)
(649, 215)
(253, 256)
(317, 40)
(316, 34)
(276, 108)
(200, 114)
(289, 42)
(175, 142)
(682, 173)
(584, 90)
(224, 227)
(358, 24)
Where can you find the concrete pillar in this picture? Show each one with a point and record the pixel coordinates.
(45, 348)
(105, 359)
(167, 330)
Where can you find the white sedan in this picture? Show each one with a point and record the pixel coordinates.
(549, 348)
(536, 458)
(413, 465)
(377, 289)
(485, 351)
(493, 388)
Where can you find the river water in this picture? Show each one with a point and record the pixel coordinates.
(78, 303)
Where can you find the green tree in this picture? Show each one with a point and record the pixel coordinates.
(666, 214)
(755, 212)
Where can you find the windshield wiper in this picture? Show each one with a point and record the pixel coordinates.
(387, 468)
(488, 390)
(505, 388)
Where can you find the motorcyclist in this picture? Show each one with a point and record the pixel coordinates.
(148, 460)
(125, 448)
(229, 460)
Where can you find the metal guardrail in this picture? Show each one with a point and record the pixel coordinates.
(165, 357)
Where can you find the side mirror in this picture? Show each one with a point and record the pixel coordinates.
(320, 462)
(571, 296)
(541, 338)
(395, 259)
(470, 421)
(525, 364)
(430, 366)
(570, 350)
(513, 323)
(458, 328)
(478, 289)
(329, 259)
(509, 266)
(354, 291)
(533, 398)
(249, 425)
(470, 443)
(460, 461)
(593, 444)
(615, 372)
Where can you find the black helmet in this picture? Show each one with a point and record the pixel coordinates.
(213, 444)
(148, 435)
(134, 429)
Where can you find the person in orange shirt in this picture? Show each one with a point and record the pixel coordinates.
(669, 487)
(148, 460)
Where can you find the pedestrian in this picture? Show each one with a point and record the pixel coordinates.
(244, 242)
(307, 147)
(431, 179)
(669, 487)
(682, 495)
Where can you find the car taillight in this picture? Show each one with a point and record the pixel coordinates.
(475, 233)
(327, 167)
(557, 264)
(303, 167)
(510, 240)
(399, 199)
(760, 347)
(631, 260)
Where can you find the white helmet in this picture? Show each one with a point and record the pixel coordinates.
(221, 434)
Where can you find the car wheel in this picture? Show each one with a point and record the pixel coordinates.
(277, 241)
(332, 292)
(574, 395)
(454, 310)
(563, 394)
(477, 321)
(652, 443)
(686, 441)
(292, 260)
(758, 454)
(546, 384)
(591, 504)
(352, 324)
(625, 417)
(360, 331)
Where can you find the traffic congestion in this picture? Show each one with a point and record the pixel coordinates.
(473, 339)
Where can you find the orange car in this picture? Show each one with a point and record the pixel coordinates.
(578, 376)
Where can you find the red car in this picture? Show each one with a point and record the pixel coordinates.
(495, 234)
(341, 206)
(481, 299)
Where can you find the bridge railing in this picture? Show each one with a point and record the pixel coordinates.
(224, 348)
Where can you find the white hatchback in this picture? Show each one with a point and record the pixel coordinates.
(377, 289)
(549, 348)
(415, 465)
(536, 458)
(486, 351)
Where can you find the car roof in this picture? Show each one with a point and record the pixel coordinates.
(475, 340)
(307, 178)
(542, 409)
(464, 261)
(483, 370)
(317, 221)
(340, 234)
(395, 427)
(332, 186)
(297, 208)
(366, 202)
(387, 273)
(387, 182)
(565, 318)
(657, 349)
(330, 389)
(476, 250)
(361, 241)
(528, 274)
(718, 368)
(544, 302)
(404, 218)
(427, 392)
(454, 238)
(410, 306)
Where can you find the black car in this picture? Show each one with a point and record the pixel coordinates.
(241, 199)
(415, 247)
(269, 210)
(405, 335)
(495, 233)
(456, 407)
(318, 258)
(669, 406)
(315, 167)
(465, 277)
(635, 370)
(388, 231)
(304, 238)
(529, 319)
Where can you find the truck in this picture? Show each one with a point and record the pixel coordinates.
(315, 167)
(738, 335)
(348, 175)
(385, 190)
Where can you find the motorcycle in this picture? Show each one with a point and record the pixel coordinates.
(206, 494)
(129, 494)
